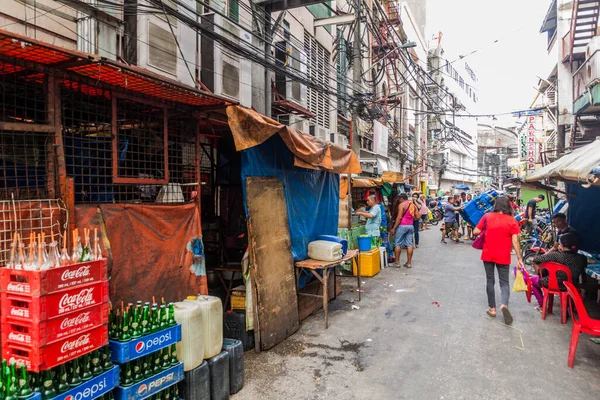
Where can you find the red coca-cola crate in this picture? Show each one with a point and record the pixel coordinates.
(41, 358)
(40, 283)
(38, 334)
(37, 309)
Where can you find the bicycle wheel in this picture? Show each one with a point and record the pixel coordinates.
(434, 221)
(528, 261)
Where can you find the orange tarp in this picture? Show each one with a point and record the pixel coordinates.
(146, 249)
(392, 177)
(250, 128)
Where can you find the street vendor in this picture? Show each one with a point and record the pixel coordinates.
(373, 216)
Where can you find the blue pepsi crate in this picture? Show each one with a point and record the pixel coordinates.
(150, 386)
(122, 352)
(95, 387)
(36, 396)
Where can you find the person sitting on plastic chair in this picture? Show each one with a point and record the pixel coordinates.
(566, 255)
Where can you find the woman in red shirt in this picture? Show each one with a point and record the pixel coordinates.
(501, 232)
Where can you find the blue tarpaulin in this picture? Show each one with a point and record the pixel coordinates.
(312, 196)
(584, 215)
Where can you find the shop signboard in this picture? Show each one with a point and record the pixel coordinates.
(380, 139)
(530, 143)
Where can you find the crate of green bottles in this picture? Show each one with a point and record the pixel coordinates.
(142, 329)
(17, 383)
(148, 375)
(83, 378)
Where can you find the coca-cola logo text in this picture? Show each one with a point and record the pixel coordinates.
(79, 320)
(18, 287)
(81, 272)
(78, 300)
(19, 337)
(81, 341)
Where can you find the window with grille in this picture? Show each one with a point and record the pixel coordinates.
(318, 72)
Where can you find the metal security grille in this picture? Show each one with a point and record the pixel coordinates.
(318, 71)
(29, 216)
(87, 138)
(25, 137)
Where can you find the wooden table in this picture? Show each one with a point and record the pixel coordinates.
(326, 266)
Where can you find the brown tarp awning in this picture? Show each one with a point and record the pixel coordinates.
(250, 128)
(146, 248)
(392, 177)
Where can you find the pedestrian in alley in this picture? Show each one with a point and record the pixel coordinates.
(373, 216)
(451, 220)
(424, 214)
(530, 221)
(403, 230)
(501, 232)
(417, 221)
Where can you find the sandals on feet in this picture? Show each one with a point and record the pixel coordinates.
(491, 314)
(508, 319)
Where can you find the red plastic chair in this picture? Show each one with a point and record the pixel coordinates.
(583, 323)
(553, 289)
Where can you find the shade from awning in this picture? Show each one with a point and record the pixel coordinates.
(575, 166)
(250, 128)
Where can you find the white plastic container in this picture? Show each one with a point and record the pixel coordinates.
(324, 250)
(211, 310)
(191, 348)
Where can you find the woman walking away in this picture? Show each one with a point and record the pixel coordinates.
(416, 221)
(424, 214)
(501, 231)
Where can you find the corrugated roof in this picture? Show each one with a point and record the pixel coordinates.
(128, 77)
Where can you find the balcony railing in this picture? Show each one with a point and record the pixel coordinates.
(584, 80)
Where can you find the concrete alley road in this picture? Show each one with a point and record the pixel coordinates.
(401, 345)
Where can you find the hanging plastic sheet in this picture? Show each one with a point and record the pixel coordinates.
(312, 196)
(584, 215)
(147, 249)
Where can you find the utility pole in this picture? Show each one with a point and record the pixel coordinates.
(357, 78)
(268, 35)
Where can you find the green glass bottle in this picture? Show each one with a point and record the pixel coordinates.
(113, 331)
(135, 325)
(147, 366)
(166, 358)
(63, 379)
(86, 368)
(11, 387)
(173, 351)
(157, 366)
(167, 394)
(171, 321)
(107, 363)
(25, 390)
(125, 334)
(175, 392)
(126, 376)
(48, 390)
(2, 380)
(75, 378)
(138, 375)
(96, 367)
(154, 322)
(110, 396)
(145, 322)
(36, 381)
(163, 317)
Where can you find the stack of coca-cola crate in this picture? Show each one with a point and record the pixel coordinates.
(53, 316)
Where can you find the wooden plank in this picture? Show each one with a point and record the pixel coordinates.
(276, 300)
(24, 127)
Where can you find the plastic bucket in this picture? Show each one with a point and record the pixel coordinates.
(364, 243)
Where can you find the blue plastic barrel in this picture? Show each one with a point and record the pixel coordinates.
(364, 243)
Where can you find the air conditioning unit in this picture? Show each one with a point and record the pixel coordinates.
(319, 132)
(341, 140)
(150, 43)
(223, 71)
(100, 38)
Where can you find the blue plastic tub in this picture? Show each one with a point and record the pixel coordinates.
(331, 238)
(364, 243)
